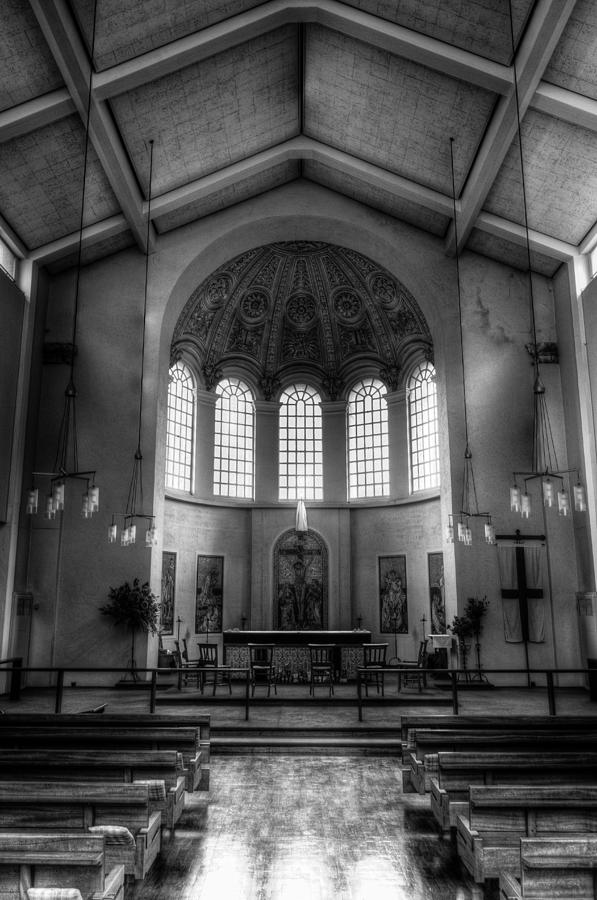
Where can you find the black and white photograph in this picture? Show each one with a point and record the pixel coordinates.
(298, 469)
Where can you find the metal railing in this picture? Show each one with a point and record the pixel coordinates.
(149, 684)
(468, 677)
(457, 677)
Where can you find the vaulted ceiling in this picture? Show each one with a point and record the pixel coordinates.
(241, 97)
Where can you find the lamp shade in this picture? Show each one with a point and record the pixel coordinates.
(301, 517)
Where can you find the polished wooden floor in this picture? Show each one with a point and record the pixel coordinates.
(281, 827)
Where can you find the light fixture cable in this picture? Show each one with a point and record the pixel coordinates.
(469, 507)
(66, 460)
(135, 493)
(544, 459)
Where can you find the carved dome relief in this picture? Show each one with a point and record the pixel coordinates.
(324, 310)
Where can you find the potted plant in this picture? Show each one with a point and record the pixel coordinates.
(474, 611)
(136, 607)
(462, 628)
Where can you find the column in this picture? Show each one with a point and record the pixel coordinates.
(334, 450)
(204, 449)
(398, 443)
(266, 450)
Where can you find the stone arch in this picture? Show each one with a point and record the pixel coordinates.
(300, 582)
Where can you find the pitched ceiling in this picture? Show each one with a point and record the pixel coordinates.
(241, 96)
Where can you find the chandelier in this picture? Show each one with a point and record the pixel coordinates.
(469, 506)
(66, 463)
(134, 505)
(545, 467)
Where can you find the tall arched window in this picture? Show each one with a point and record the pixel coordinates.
(367, 426)
(301, 445)
(234, 439)
(423, 429)
(180, 428)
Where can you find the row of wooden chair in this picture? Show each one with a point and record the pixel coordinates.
(321, 670)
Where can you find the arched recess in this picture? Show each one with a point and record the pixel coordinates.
(300, 582)
(309, 309)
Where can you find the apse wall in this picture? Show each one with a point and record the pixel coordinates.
(358, 541)
(68, 564)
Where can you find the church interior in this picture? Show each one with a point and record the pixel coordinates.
(299, 340)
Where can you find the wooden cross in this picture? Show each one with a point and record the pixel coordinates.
(522, 591)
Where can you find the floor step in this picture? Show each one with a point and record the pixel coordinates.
(324, 741)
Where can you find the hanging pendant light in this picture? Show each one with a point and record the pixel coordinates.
(134, 505)
(545, 466)
(469, 508)
(66, 463)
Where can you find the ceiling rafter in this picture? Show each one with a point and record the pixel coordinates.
(304, 148)
(516, 234)
(396, 39)
(541, 36)
(91, 235)
(26, 117)
(60, 32)
(299, 148)
(568, 106)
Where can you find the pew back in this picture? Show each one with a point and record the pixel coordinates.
(78, 806)
(456, 772)
(70, 860)
(177, 738)
(488, 838)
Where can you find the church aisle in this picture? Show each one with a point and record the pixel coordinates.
(282, 827)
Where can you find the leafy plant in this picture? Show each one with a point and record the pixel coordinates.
(474, 611)
(462, 627)
(136, 607)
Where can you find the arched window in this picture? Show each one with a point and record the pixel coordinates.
(423, 429)
(180, 428)
(234, 439)
(301, 445)
(367, 426)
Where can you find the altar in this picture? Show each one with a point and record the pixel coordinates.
(291, 652)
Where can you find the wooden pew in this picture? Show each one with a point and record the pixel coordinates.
(458, 771)
(34, 860)
(102, 765)
(488, 837)
(131, 740)
(559, 868)
(200, 721)
(420, 762)
(81, 806)
(499, 722)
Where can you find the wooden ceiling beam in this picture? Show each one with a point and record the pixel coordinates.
(516, 234)
(306, 149)
(91, 235)
(360, 25)
(540, 38)
(565, 105)
(26, 117)
(300, 148)
(62, 36)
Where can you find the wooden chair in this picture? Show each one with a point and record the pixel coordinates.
(181, 658)
(208, 659)
(374, 659)
(417, 666)
(261, 663)
(322, 667)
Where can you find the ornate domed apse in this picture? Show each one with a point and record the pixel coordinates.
(316, 310)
